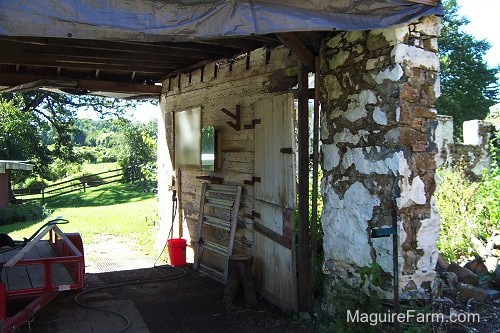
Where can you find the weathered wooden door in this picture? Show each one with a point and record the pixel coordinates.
(274, 204)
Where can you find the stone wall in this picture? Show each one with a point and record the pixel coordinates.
(472, 154)
(378, 93)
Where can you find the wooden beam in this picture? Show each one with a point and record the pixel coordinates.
(58, 63)
(303, 260)
(425, 2)
(298, 48)
(11, 79)
(315, 162)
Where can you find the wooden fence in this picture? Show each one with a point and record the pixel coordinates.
(129, 174)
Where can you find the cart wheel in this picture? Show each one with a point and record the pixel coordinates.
(76, 239)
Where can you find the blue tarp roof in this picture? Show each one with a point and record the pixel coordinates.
(185, 20)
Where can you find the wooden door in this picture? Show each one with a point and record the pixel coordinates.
(274, 204)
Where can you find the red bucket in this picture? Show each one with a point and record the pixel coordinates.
(177, 251)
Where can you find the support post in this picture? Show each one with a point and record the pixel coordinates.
(303, 189)
(314, 201)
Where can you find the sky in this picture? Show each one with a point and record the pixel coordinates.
(484, 17)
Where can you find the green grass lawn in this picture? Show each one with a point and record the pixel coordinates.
(124, 210)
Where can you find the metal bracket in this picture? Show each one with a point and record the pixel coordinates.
(236, 116)
(252, 125)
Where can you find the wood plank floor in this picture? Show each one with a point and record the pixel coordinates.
(32, 276)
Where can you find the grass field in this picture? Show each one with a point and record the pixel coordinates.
(115, 209)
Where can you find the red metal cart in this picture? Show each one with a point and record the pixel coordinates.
(36, 273)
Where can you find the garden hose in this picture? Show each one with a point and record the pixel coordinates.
(21, 244)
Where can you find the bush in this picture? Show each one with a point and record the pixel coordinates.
(467, 208)
(35, 185)
(26, 212)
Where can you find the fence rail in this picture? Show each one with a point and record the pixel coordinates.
(128, 174)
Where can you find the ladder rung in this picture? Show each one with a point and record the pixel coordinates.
(218, 275)
(222, 189)
(227, 192)
(214, 247)
(217, 222)
(219, 203)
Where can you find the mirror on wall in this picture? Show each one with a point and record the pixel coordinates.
(188, 138)
(208, 148)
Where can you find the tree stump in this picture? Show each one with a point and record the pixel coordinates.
(240, 273)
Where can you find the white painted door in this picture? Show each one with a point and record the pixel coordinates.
(274, 204)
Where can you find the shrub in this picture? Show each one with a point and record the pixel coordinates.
(468, 209)
(25, 212)
(35, 185)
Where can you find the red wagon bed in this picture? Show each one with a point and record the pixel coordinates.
(37, 272)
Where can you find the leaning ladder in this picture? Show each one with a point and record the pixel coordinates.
(227, 199)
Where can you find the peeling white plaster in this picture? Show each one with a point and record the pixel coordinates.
(394, 34)
(426, 240)
(325, 133)
(392, 136)
(383, 248)
(443, 135)
(339, 59)
(437, 87)
(413, 193)
(357, 105)
(392, 74)
(331, 156)
(379, 116)
(357, 157)
(345, 223)
(429, 25)
(415, 57)
(346, 136)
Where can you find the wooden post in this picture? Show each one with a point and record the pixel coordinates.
(303, 189)
(240, 272)
(314, 201)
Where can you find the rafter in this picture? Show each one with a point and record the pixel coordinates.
(20, 82)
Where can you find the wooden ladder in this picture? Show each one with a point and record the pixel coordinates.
(225, 199)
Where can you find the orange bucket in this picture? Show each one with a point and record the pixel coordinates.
(177, 251)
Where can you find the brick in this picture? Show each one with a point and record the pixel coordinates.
(424, 112)
(409, 94)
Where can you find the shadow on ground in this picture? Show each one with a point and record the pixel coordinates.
(191, 303)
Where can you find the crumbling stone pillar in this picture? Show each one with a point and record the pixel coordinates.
(378, 93)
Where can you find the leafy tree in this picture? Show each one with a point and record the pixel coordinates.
(468, 86)
(19, 137)
(50, 119)
(137, 143)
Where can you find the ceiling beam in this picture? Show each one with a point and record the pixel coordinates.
(11, 79)
(44, 62)
(188, 49)
(425, 2)
(291, 41)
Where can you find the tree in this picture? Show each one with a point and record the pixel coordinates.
(137, 143)
(468, 86)
(50, 118)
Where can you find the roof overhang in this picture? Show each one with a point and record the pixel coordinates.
(14, 165)
(126, 48)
